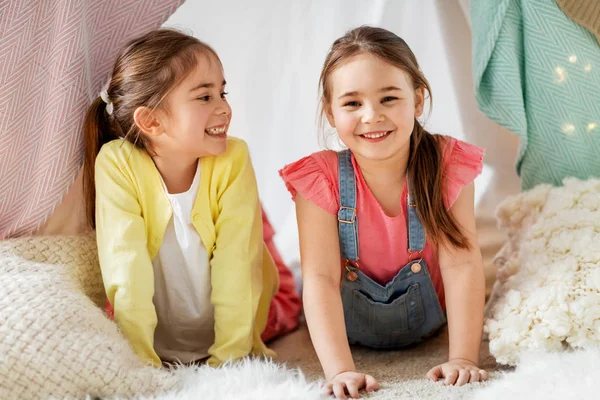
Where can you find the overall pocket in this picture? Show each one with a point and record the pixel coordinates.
(403, 313)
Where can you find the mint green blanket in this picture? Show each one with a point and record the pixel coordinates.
(537, 73)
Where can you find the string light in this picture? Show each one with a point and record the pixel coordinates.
(568, 128)
(560, 75)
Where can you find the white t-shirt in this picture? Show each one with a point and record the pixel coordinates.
(182, 286)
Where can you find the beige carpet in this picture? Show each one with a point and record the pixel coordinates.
(400, 373)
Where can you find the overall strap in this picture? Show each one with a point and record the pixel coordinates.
(347, 221)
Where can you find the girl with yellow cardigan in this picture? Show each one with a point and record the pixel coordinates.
(175, 206)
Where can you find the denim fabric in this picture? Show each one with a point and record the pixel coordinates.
(404, 311)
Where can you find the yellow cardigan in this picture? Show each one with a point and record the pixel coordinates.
(132, 213)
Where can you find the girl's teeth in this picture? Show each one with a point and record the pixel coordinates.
(216, 131)
(375, 135)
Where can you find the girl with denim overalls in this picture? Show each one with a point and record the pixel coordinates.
(387, 227)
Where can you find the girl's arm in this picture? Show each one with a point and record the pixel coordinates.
(464, 285)
(321, 273)
(124, 260)
(237, 260)
(321, 269)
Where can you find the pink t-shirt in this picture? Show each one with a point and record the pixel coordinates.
(383, 242)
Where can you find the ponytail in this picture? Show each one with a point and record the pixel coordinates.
(96, 132)
(425, 167)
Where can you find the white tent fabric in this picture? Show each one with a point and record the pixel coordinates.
(272, 52)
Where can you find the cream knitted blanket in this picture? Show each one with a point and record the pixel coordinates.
(54, 341)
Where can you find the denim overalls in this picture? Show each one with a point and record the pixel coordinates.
(404, 311)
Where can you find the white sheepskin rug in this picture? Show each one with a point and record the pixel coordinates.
(247, 380)
(548, 376)
(547, 294)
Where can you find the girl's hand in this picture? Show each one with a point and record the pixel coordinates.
(350, 383)
(457, 372)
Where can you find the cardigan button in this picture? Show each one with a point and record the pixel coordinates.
(196, 216)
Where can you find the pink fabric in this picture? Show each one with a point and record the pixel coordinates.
(382, 239)
(284, 313)
(55, 57)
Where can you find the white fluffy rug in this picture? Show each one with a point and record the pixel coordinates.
(548, 376)
(248, 380)
(544, 376)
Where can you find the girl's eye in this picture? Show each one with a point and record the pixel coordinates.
(388, 98)
(204, 98)
(351, 104)
(224, 94)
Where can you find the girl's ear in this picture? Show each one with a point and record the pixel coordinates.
(328, 112)
(419, 101)
(148, 122)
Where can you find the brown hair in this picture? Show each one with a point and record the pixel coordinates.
(425, 158)
(143, 74)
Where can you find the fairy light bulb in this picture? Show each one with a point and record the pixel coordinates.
(560, 75)
(568, 128)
